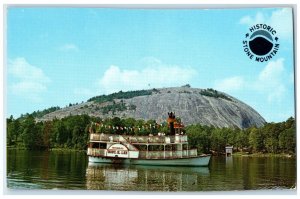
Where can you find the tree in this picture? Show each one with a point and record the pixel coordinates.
(47, 131)
(287, 140)
(129, 123)
(242, 139)
(76, 134)
(60, 133)
(271, 132)
(13, 131)
(199, 138)
(256, 140)
(229, 135)
(31, 135)
(218, 140)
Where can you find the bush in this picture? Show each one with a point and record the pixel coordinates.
(213, 93)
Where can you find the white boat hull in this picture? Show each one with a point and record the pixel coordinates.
(192, 161)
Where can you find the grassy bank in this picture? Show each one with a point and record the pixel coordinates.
(244, 154)
(67, 149)
(15, 147)
(51, 149)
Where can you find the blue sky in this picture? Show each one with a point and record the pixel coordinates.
(57, 56)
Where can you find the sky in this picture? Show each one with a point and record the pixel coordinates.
(57, 56)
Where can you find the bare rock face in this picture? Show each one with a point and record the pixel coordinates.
(191, 105)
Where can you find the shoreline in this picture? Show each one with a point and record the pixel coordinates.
(236, 154)
(285, 155)
(51, 149)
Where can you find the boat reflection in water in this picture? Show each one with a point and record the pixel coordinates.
(101, 176)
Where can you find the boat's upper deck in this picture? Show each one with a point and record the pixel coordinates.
(177, 139)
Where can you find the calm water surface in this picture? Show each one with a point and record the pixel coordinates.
(71, 170)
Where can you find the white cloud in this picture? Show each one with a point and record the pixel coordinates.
(259, 18)
(155, 74)
(281, 20)
(21, 69)
(272, 71)
(271, 80)
(277, 93)
(28, 81)
(230, 84)
(69, 48)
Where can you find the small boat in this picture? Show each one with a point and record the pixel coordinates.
(164, 150)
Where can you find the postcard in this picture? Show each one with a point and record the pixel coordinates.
(150, 100)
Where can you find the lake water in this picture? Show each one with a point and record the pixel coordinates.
(71, 171)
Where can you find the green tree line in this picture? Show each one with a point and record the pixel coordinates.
(120, 95)
(73, 131)
(39, 114)
(271, 138)
(213, 93)
(114, 107)
(69, 132)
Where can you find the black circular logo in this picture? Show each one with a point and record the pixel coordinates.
(261, 43)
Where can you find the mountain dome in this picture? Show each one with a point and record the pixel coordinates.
(191, 105)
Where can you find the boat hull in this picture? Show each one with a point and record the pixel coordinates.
(192, 161)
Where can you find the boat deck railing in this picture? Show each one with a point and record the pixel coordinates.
(167, 154)
(139, 139)
(151, 154)
(96, 152)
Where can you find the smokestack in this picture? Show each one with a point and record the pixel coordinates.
(171, 121)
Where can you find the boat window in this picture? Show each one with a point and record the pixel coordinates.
(184, 146)
(141, 147)
(103, 145)
(168, 147)
(95, 145)
(156, 148)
